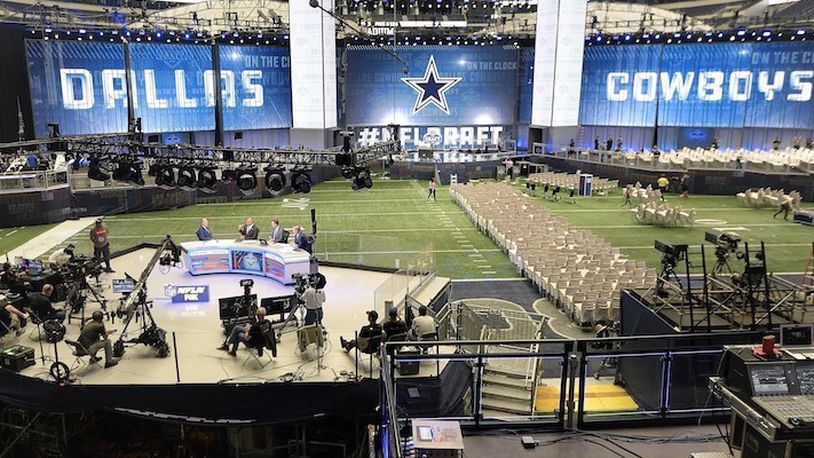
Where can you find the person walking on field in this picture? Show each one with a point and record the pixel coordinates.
(431, 192)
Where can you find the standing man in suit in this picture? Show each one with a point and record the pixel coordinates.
(203, 232)
(301, 240)
(249, 231)
(276, 231)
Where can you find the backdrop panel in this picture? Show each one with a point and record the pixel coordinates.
(258, 83)
(444, 86)
(730, 85)
(175, 87)
(78, 85)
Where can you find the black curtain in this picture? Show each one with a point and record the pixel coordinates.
(14, 77)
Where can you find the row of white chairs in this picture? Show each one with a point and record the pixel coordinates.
(662, 215)
(577, 270)
(571, 181)
(716, 158)
(768, 197)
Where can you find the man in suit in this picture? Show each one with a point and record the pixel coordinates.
(301, 240)
(276, 231)
(249, 231)
(203, 232)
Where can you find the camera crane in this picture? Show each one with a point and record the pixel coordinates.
(136, 304)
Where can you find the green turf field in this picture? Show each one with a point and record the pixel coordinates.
(11, 238)
(788, 245)
(389, 223)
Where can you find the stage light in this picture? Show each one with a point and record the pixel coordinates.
(362, 179)
(246, 180)
(207, 180)
(741, 33)
(186, 178)
(275, 180)
(95, 171)
(301, 180)
(129, 172)
(799, 32)
(166, 177)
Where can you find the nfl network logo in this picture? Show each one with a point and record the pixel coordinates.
(185, 294)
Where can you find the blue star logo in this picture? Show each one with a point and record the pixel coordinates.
(431, 88)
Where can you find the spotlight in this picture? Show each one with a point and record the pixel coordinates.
(129, 172)
(301, 180)
(362, 179)
(186, 178)
(275, 180)
(95, 171)
(166, 177)
(246, 180)
(207, 181)
(348, 172)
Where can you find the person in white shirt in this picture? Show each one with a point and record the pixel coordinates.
(422, 324)
(313, 299)
(61, 257)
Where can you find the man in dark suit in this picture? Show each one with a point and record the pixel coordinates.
(249, 231)
(277, 232)
(301, 240)
(203, 232)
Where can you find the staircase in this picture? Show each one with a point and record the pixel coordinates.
(507, 388)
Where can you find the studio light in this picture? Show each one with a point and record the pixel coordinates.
(207, 180)
(362, 179)
(95, 171)
(166, 177)
(129, 172)
(186, 178)
(275, 180)
(348, 172)
(246, 179)
(301, 180)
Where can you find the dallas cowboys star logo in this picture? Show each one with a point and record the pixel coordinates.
(431, 88)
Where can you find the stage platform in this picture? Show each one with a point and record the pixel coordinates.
(209, 382)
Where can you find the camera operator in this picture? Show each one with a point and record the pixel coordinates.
(59, 258)
(40, 304)
(11, 318)
(99, 235)
(246, 333)
(313, 299)
(94, 337)
(12, 280)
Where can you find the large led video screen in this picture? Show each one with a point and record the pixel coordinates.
(78, 85)
(443, 86)
(257, 87)
(702, 84)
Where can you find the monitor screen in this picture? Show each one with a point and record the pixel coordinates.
(34, 266)
(231, 308)
(247, 261)
(769, 379)
(278, 305)
(123, 285)
(805, 377)
(797, 334)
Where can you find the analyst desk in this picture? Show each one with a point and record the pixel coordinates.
(276, 260)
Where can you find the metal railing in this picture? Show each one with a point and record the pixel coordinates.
(578, 384)
(34, 180)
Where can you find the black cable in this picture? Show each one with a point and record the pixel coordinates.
(605, 447)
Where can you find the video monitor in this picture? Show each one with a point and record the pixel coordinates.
(231, 308)
(769, 379)
(247, 261)
(279, 305)
(123, 285)
(34, 267)
(209, 260)
(797, 335)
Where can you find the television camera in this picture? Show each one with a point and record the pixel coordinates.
(671, 255)
(170, 255)
(726, 244)
(75, 274)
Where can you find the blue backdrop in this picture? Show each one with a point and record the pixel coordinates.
(80, 106)
(263, 87)
(479, 86)
(81, 86)
(710, 85)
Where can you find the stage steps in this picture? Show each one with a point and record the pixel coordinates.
(505, 389)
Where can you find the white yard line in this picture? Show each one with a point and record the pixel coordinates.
(44, 242)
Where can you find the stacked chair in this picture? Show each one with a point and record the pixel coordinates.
(570, 181)
(768, 197)
(774, 161)
(577, 270)
(658, 214)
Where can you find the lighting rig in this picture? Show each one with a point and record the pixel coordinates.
(196, 167)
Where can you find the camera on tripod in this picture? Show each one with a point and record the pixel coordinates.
(82, 267)
(302, 282)
(671, 253)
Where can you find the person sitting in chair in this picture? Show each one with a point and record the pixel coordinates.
(249, 231)
(366, 340)
(11, 318)
(422, 324)
(249, 334)
(40, 304)
(94, 337)
(394, 326)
